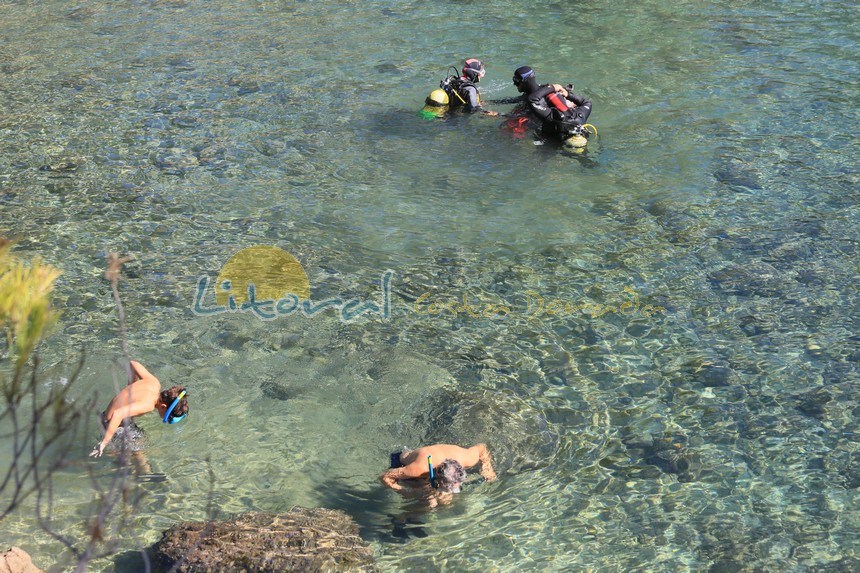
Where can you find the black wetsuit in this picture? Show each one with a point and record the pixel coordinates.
(553, 122)
(551, 117)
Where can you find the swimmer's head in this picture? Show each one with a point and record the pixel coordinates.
(449, 476)
(166, 401)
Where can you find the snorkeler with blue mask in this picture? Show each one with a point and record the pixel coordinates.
(143, 395)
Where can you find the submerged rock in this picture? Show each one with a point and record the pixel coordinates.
(644, 456)
(63, 165)
(749, 279)
(15, 560)
(715, 375)
(301, 540)
(277, 391)
(835, 404)
(174, 161)
(738, 174)
(247, 84)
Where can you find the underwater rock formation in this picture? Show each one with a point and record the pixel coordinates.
(300, 540)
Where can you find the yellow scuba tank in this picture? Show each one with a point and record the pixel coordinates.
(576, 141)
(437, 98)
(437, 105)
(579, 139)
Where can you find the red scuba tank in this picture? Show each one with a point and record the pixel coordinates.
(557, 102)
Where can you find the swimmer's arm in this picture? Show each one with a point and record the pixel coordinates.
(487, 471)
(439, 498)
(117, 415)
(111, 429)
(139, 371)
(389, 479)
(412, 471)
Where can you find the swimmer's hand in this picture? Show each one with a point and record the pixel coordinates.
(98, 450)
(389, 479)
(487, 472)
(442, 498)
(492, 113)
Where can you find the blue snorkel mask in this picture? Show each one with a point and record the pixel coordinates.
(432, 475)
(167, 419)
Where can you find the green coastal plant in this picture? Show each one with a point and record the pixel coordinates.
(32, 423)
(26, 315)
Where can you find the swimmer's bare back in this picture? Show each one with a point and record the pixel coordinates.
(467, 457)
(414, 463)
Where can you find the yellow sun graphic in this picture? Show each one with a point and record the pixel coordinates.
(274, 273)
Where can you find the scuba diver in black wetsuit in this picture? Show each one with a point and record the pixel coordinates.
(462, 91)
(562, 113)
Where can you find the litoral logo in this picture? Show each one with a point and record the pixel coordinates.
(268, 282)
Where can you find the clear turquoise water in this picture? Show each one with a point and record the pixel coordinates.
(723, 187)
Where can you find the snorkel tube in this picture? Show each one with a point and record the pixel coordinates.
(432, 475)
(167, 419)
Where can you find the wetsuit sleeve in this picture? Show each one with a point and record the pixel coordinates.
(582, 109)
(474, 102)
(507, 100)
(537, 101)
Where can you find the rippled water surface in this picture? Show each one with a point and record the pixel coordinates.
(716, 431)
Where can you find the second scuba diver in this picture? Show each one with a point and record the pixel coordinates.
(562, 112)
(461, 90)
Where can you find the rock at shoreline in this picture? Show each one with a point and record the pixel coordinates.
(300, 540)
(16, 560)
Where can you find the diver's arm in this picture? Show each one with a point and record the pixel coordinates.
(537, 101)
(507, 100)
(582, 109)
(475, 103)
(580, 101)
(474, 100)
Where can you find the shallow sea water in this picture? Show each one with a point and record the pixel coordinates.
(719, 434)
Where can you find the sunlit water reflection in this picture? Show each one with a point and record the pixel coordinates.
(718, 434)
